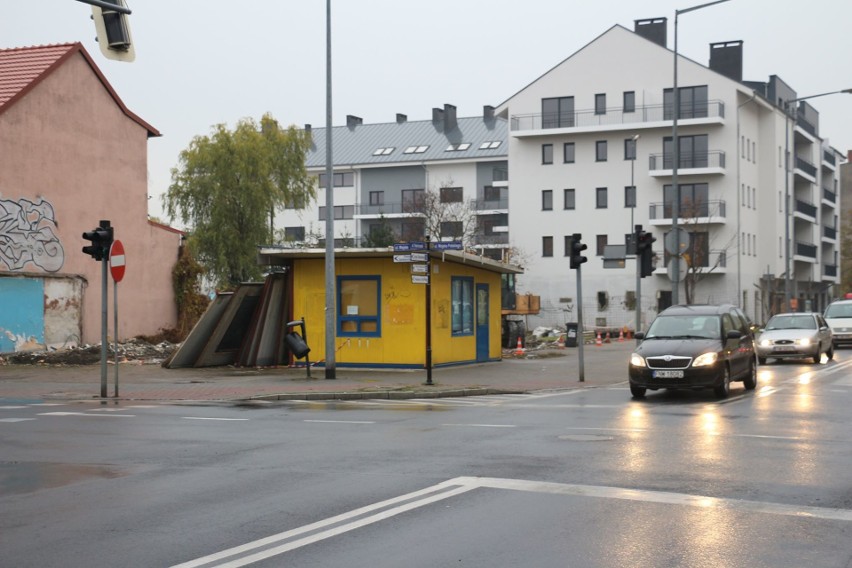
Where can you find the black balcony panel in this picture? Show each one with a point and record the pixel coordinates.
(806, 249)
(806, 166)
(806, 208)
(587, 118)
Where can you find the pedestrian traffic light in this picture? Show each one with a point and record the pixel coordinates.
(113, 29)
(101, 238)
(644, 251)
(577, 249)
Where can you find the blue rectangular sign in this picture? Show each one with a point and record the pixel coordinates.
(417, 245)
(447, 245)
(401, 247)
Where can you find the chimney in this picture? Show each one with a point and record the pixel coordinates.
(308, 128)
(450, 122)
(352, 121)
(653, 29)
(487, 112)
(437, 115)
(727, 58)
(849, 155)
(401, 118)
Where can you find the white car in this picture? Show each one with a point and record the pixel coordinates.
(839, 317)
(795, 335)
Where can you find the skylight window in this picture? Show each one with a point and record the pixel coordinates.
(384, 151)
(458, 147)
(415, 149)
(490, 145)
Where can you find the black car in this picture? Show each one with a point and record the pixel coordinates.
(695, 347)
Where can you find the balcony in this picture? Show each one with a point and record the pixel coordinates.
(390, 210)
(706, 262)
(708, 212)
(805, 210)
(828, 158)
(829, 197)
(806, 252)
(712, 162)
(829, 270)
(802, 123)
(489, 206)
(493, 239)
(614, 119)
(500, 175)
(829, 233)
(806, 167)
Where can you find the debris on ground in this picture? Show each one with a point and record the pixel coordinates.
(135, 350)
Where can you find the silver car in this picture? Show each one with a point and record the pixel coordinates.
(795, 335)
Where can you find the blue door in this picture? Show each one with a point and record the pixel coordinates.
(482, 322)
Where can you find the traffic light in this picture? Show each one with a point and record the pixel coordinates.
(577, 249)
(101, 238)
(113, 29)
(644, 251)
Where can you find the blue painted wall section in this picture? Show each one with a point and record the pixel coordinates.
(21, 314)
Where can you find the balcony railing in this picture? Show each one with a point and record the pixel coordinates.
(807, 126)
(496, 239)
(806, 166)
(589, 118)
(828, 157)
(711, 208)
(501, 174)
(829, 195)
(489, 204)
(829, 270)
(829, 233)
(711, 159)
(717, 258)
(806, 208)
(390, 208)
(806, 249)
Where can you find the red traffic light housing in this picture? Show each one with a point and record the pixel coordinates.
(101, 238)
(577, 248)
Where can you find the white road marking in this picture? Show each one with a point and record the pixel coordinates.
(11, 407)
(87, 414)
(219, 419)
(15, 419)
(256, 551)
(48, 404)
(483, 425)
(341, 421)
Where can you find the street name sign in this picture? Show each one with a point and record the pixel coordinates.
(419, 278)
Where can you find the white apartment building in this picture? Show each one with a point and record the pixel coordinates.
(573, 132)
(382, 173)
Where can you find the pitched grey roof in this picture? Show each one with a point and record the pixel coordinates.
(356, 144)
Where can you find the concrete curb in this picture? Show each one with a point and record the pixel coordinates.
(386, 395)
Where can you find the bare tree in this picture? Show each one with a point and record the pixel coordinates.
(445, 212)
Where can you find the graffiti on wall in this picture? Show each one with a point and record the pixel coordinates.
(26, 235)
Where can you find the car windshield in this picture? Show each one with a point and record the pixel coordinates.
(791, 322)
(839, 311)
(684, 327)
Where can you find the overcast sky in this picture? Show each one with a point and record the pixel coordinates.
(203, 62)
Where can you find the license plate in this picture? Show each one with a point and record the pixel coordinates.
(784, 348)
(668, 374)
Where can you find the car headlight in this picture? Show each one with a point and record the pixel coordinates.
(765, 343)
(805, 341)
(637, 360)
(706, 359)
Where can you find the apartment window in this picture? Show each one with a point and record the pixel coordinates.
(557, 112)
(547, 200)
(754, 152)
(451, 195)
(600, 198)
(600, 151)
(340, 212)
(547, 153)
(692, 152)
(748, 149)
(742, 146)
(630, 196)
(461, 302)
(377, 198)
(693, 102)
(343, 179)
(490, 193)
(294, 233)
(567, 241)
(546, 246)
(754, 198)
(569, 196)
(629, 149)
(452, 229)
(693, 200)
(600, 103)
(629, 101)
(412, 200)
(780, 202)
(358, 306)
(412, 230)
(568, 152)
(600, 242)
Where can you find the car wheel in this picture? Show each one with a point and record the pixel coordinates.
(830, 353)
(818, 354)
(750, 382)
(761, 360)
(637, 392)
(724, 389)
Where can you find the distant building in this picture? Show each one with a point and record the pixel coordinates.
(72, 154)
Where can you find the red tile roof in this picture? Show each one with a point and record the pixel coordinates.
(22, 68)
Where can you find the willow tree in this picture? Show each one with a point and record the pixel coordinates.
(227, 185)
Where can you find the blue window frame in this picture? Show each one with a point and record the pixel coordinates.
(461, 299)
(358, 306)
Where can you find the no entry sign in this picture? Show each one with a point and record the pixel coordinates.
(116, 260)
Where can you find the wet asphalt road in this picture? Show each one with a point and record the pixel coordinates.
(573, 478)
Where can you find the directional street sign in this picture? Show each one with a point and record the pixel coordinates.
(419, 257)
(420, 268)
(402, 258)
(419, 278)
(417, 245)
(401, 247)
(447, 245)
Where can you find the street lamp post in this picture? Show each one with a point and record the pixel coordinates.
(330, 295)
(638, 322)
(676, 158)
(788, 169)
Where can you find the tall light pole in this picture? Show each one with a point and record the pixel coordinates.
(330, 295)
(788, 169)
(676, 158)
(638, 323)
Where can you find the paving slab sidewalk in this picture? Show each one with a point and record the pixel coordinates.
(535, 371)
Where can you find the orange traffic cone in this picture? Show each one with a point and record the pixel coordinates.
(520, 349)
(621, 335)
(607, 337)
(598, 341)
(560, 343)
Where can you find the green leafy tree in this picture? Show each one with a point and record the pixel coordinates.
(380, 236)
(226, 186)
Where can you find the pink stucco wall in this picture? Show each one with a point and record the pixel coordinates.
(68, 143)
